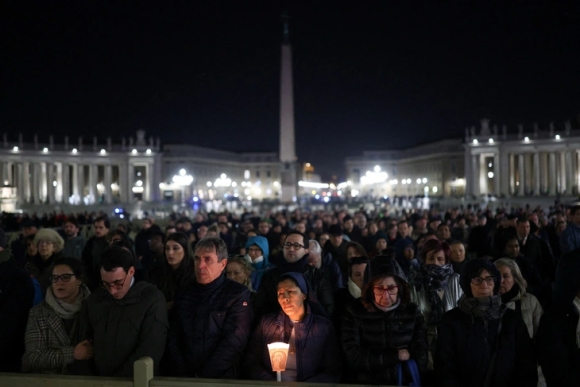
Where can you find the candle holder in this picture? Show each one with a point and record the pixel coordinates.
(278, 357)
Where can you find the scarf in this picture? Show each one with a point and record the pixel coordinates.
(353, 289)
(434, 280)
(65, 310)
(486, 308)
(511, 294)
(392, 307)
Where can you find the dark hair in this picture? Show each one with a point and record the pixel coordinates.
(75, 264)
(368, 296)
(28, 239)
(455, 242)
(103, 219)
(173, 280)
(117, 256)
(436, 246)
(74, 222)
(304, 237)
(357, 261)
(574, 209)
(358, 248)
(522, 219)
(402, 221)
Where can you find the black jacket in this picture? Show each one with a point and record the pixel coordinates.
(209, 329)
(317, 353)
(16, 295)
(91, 258)
(465, 347)
(371, 341)
(320, 293)
(124, 330)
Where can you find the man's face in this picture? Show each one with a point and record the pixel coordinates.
(457, 253)
(409, 253)
(403, 229)
(156, 244)
(421, 224)
(117, 282)
(202, 232)
(534, 219)
(348, 225)
(207, 266)
(443, 233)
(100, 229)
(223, 228)
(300, 227)
(70, 230)
(294, 248)
(264, 228)
(336, 240)
(315, 259)
(523, 229)
(361, 221)
(318, 223)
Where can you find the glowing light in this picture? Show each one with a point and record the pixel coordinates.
(209, 184)
(326, 199)
(74, 151)
(426, 189)
(137, 189)
(491, 141)
(45, 150)
(557, 137)
(435, 189)
(246, 191)
(103, 152)
(309, 184)
(354, 193)
(182, 172)
(313, 192)
(490, 175)
(418, 181)
(134, 152)
(526, 139)
(139, 183)
(490, 165)
(475, 142)
(377, 168)
(148, 151)
(54, 183)
(276, 184)
(15, 149)
(234, 184)
(375, 177)
(424, 180)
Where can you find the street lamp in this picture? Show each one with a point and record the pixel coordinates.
(183, 180)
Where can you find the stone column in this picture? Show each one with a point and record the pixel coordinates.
(570, 173)
(81, 182)
(521, 175)
(563, 186)
(50, 182)
(536, 169)
(475, 174)
(553, 177)
(93, 183)
(147, 183)
(131, 180)
(65, 181)
(512, 175)
(124, 183)
(108, 182)
(544, 172)
(7, 178)
(26, 182)
(497, 175)
(58, 196)
(20, 191)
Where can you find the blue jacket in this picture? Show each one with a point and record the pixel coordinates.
(317, 352)
(209, 329)
(570, 238)
(260, 267)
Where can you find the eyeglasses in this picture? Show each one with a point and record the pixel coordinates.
(63, 277)
(117, 284)
(478, 280)
(254, 250)
(293, 246)
(379, 290)
(44, 242)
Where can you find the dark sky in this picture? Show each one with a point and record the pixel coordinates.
(368, 74)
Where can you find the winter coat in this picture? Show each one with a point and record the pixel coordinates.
(260, 267)
(450, 297)
(91, 258)
(16, 295)
(332, 270)
(317, 353)
(49, 348)
(74, 247)
(531, 311)
(124, 330)
(371, 341)
(210, 327)
(320, 293)
(465, 347)
(570, 238)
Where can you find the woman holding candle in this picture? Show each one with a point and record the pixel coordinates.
(313, 355)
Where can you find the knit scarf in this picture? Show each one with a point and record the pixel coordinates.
(435, 279)
(353, 289)
(388, 309)
(65, 310)
(486, 308)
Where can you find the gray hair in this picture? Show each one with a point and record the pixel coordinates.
(314, 247)
(516, 272)
(49, 235)
(212, 243)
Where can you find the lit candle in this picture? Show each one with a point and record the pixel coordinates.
(278, 357)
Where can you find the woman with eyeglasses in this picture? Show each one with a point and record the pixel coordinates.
(53, 325)
(48, 244)
(482, 342)
(384, 329)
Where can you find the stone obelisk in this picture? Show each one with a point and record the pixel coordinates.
(288, 172)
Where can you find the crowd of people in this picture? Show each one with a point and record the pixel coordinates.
(464, 297)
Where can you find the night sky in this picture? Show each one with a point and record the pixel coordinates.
(367, 74)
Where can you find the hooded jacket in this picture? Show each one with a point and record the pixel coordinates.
(259, 267)
(125, 330)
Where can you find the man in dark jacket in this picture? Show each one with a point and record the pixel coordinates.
(557, 337)
(296, 260)
(16, 294)
(327, 264)
(210, 321)
(94, 247)
(124, 319)
(73, 242)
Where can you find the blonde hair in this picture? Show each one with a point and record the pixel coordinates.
(246, 266)
(516, 272)
(47, 234)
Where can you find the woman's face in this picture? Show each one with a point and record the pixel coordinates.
(31, 249)
(507, 280)
(358, 274)
(350, 253)
(66, 287)
(236, 272)
(373, 229)
(174, 254)
(485, 289)
(381, 245)
(254, 252)
(323, 239)
(383, 290)
(45, 248)
(435, 258)
(290, 298)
